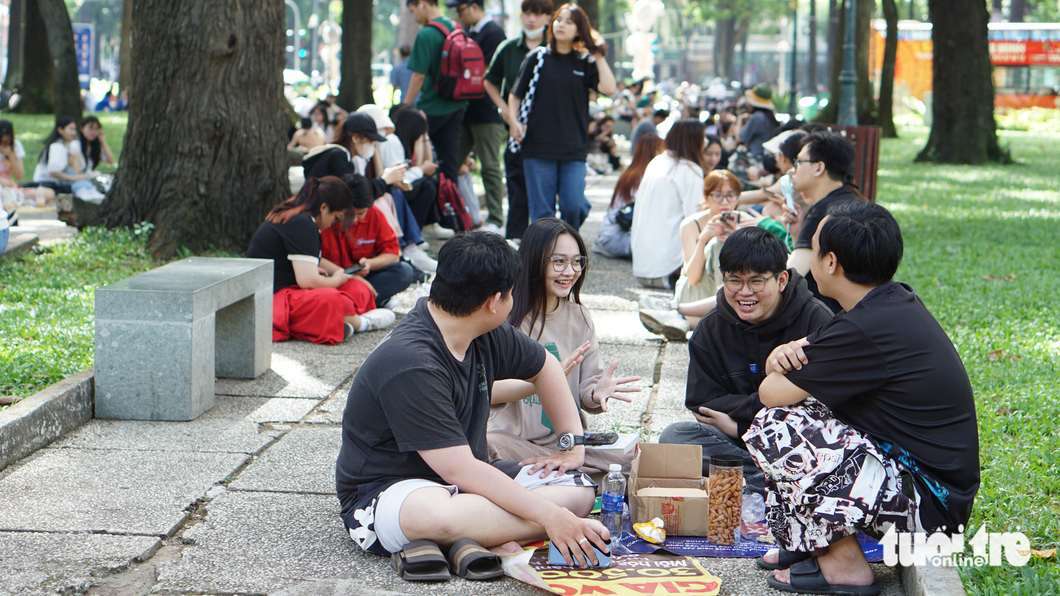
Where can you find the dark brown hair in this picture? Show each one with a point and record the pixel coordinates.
(581, 23)
(537, 6)
(716, 178)
(648, 146)
(328, 190)
(685, 141)
(529, 297)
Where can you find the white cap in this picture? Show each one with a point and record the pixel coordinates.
(377, 114)
(615, 467)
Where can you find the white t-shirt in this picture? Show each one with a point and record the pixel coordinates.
(391, 151)
(58, 160)
(5, 166)
(670, 191)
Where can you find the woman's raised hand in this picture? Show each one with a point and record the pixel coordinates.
(609, 387)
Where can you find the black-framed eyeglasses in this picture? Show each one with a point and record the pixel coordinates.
(718, 197)
(757, 284)
(460, 8)
(798, 161)
(559, 264)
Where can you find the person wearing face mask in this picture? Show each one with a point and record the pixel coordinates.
(500, 78)
(549, 114)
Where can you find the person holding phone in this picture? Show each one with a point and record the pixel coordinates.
(547, 307)
(702, 236)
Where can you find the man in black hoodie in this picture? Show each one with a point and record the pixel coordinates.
(761, 305)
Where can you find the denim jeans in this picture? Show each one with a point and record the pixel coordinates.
(390, 281)
(545, 179)
(406, 219)
(79, 184)
(3, 239)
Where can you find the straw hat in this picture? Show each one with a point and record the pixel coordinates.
(760, 97)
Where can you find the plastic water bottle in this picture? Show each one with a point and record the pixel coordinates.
(613, 499)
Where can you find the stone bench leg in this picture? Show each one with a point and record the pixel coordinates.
(178, 384)
(244, 337)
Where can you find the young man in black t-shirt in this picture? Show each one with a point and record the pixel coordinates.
(823, 167)
(413, 464)
(889, 435)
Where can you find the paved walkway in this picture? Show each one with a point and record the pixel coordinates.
(242, 501)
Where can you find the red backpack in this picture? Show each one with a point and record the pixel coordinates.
(463, 71)
(452, 209)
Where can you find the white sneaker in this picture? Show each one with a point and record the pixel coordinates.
(90, 194)
(438, 232)
(392, 303)
(515, 242)
(668, 323)
(492, 228)
(347, 331)
(421, 260)
(649, 302)
(379, 318)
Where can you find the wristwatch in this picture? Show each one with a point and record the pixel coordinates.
(568, 441)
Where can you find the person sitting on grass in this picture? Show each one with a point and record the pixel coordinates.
(547, 307)
(61, 166)
(703, 234)
(869, 422)
(12, 169)
(313, 299)
(761, 305)
(366, 240)
(413, 473)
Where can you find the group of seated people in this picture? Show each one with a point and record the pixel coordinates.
(461, 431)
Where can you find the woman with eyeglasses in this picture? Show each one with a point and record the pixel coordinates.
(547, 307)
(702, 236)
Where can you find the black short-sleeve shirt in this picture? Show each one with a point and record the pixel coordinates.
(412, 394)
(888, 369)
(558, 124)
(298, 239)
(809, 228)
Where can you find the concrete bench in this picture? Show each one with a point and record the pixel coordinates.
(162, 336)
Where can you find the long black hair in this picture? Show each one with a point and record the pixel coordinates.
(409, 126)
(529, 297)
(92, 150)
(60, 122)
(7, 130)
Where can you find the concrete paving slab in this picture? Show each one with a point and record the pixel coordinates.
(670, 401)
(280, 410)
(623, 327)
(307, 376)
(40, 564)
(330, 410)
(633, 361)
(304, 461)
(116, 491)
(230, 427)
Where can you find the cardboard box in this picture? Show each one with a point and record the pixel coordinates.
(663, 466)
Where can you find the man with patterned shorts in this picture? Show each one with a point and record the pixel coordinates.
(889, 436)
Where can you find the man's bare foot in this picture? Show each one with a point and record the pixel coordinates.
(843, 564)
(508, 548)
(773, 555)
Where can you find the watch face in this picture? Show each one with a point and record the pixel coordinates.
(566, 441)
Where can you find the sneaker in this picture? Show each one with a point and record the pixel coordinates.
(422, 260)
(649, 302)
(668, 323)
(492, 228)
(89, 194)
(381, 318)
(436, 231)
(347, 331)
(392, 303)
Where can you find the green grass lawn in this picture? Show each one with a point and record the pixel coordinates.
(981, 250)
(32, 129)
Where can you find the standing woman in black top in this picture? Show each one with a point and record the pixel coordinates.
(549, 112)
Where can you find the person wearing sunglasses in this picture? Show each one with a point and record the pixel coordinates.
(761, 305)
(547, 307)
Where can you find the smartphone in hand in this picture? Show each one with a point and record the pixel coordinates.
(353, 269)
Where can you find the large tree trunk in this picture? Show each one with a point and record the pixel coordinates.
(204, 157)
(890, 52)
(13, 76)
(592, 10)
(67, 97)
(866, 102)
(355, 88)
(1017, 10)
(38, 89)
(125, 51)
(963, 129)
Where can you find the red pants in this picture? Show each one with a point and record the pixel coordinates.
(318, 315)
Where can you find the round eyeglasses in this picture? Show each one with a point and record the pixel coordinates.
(560, 263)
(757, 284)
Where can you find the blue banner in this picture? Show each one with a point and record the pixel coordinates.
(83, 43)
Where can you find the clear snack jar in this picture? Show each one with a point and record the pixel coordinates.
(725, 499)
